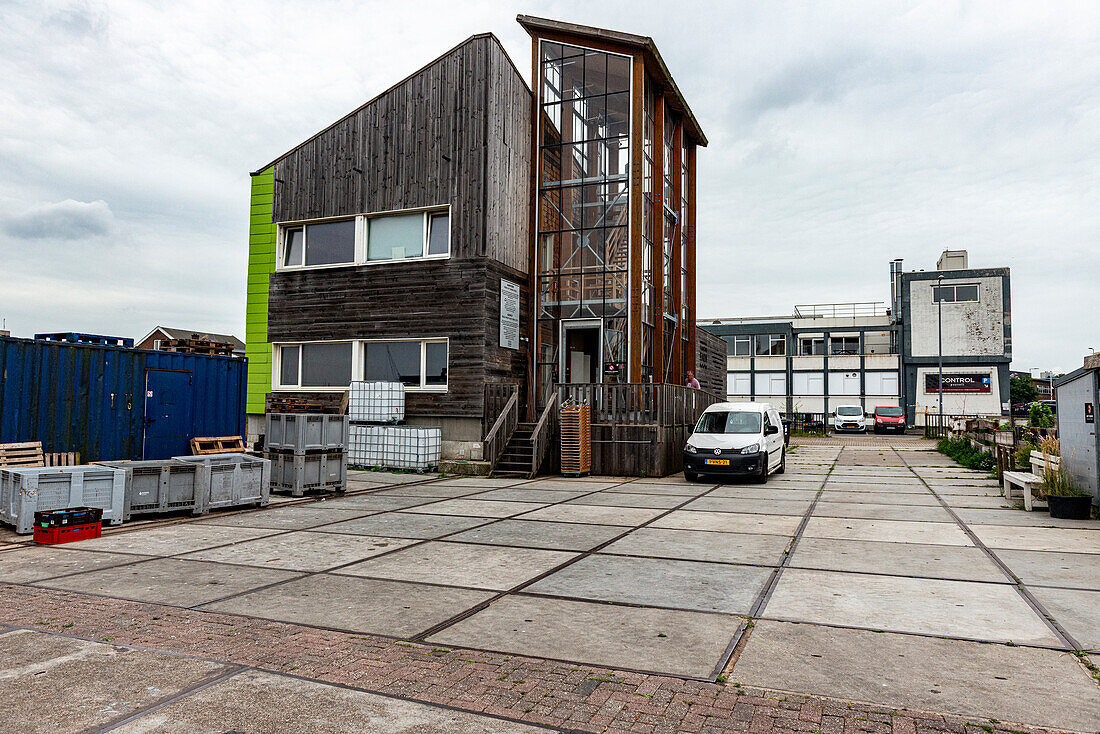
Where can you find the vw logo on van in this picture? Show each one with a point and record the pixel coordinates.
(717, 452)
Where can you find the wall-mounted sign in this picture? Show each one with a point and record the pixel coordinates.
(1090, 415)
(958, 382)
(509, 314)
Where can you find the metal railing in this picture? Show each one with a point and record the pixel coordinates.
(496, 440)
(805, 424)
(840, 310)
(542, 436)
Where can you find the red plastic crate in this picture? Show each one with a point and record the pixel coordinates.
(53, 536)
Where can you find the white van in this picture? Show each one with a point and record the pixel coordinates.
(849, 418)
(736, 439)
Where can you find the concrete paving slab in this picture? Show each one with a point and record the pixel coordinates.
(937, 533)
(170, 581)
(460, 564)
(594, 514)
(990, 612)
(730, 522)
(665, 641)
(682, 490)
(623, 499)
(477, 508)
(1038, 539)
(869, 487)
(1078, 612)
(39, 562)
(590, 484)
(406, 525)
(1020, 517)
(771, 491)
(752, 506)
(171, 539)
(659, 582)
(523, 494)
(549, 535)
(302, 551)
(873, 511)
(985, 503)
(294, 517)
(388, 477)
(435, 490)
(921, 673)
(365, 503)
(968, 563)
(484, 482)
(381, 607)
(51, 683)
(699, 545)
(257, 701)
(1044, 568)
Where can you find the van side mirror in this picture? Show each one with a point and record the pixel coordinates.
(771, 430)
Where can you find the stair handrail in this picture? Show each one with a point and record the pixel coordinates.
(496, 440)
(542, 433)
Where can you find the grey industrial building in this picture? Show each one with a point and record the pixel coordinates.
(824, 355)
(1078, 394)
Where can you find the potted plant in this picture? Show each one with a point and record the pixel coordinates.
(1065, 500)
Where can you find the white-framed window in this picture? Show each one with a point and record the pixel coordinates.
(742, 346)
(366, 238)
(808, 383)
(810, 346)
(313, 365)
(955, 293)
(882, 383)
(844, 383)
(771, 345)
(420, 364)
(771, 383)
(844, 345)
(738, 383)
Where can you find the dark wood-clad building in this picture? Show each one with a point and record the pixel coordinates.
(387, 246)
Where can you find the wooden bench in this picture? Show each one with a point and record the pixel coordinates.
(1026, 481)
(29, 454)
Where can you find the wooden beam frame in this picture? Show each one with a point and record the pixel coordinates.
(658, 252)
(676, 370)
(637, 201)
(690, 361)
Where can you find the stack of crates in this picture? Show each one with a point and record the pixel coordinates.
(376, 410)
(307, 451)
(576, 440)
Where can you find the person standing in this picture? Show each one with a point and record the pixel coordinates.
(691, 381)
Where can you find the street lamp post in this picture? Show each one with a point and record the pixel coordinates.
(939, 326)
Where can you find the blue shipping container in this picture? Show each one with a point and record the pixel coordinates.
(116, 403)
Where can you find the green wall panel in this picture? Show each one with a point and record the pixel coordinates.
(261, 263)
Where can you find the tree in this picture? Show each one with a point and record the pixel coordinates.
(1022, 389)
(1040, 416)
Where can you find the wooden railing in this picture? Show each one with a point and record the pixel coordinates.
(496, 440)
(640, 404)
(543, 434)
(496, 397)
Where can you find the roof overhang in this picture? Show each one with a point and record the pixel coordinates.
(582, 34)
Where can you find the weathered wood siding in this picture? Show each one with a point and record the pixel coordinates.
(457, 132)
(710, 361)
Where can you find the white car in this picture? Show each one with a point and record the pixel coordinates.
(849, 418)
(736, 439)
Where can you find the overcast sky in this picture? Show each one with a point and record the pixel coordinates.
(842, 135)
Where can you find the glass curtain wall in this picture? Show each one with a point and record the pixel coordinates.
(583, 207)
(685, 195)
(650, 228)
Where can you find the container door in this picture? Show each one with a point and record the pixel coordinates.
(167, 414)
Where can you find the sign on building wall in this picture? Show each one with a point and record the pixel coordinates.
(509, 314)
(958, 382)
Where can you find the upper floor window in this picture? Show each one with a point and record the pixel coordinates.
(741, 346)
(844, 345)
(773, 345)
(811, 346)
(954, 293)
(362, 239)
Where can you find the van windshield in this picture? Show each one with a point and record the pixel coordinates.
(849, 410)
(889, 412)
(733, 421)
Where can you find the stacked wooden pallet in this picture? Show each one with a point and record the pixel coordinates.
(29, 454)
(576, 440)
(201, 446)
(195, 345)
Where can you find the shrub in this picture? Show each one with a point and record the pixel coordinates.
(961, 450)
(1039, 415)
(1023, 455)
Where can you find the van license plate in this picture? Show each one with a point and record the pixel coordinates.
(718, 462)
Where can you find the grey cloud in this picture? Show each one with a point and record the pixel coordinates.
(64, 220)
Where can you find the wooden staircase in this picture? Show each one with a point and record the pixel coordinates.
(516, 459)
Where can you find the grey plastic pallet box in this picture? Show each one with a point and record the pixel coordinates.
(235, 479)
(301, 473)
(155, 487)
(304, 432)
(23, 491)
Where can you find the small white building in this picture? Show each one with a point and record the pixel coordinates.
(1078, 394)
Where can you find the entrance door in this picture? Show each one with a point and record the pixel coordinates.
(581, 356)
(167, 414)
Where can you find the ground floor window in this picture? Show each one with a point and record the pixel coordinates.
(419, 364)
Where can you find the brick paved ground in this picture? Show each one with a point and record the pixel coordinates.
(574, 697)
